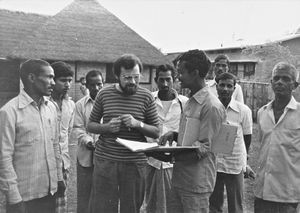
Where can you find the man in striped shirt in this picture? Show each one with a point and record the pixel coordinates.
(128, 111)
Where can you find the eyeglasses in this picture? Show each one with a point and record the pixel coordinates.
(131, 77)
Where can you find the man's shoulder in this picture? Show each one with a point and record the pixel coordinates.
(242, 107)
(11, 104)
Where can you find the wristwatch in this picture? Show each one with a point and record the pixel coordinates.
(141, 124)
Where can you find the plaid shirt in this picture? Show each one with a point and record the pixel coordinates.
(30, 163)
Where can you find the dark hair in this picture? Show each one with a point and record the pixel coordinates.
(31, 66)
(91, 74)
(62, 69)
(165, 68)
(127, 61)
(226, 76)
(195, 60)
(222, 57)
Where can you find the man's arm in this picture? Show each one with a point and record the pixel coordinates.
(79, 127)
(8, 176)
(147, 129)
(211, 123)
(247, 139)
(56, 147)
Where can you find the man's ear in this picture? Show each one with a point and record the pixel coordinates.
(296, 84)
(31, 77)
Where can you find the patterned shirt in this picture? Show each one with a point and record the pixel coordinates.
(278, 173)
(236, 95)
(82, 113)
(30, 163)
(199, 176)
(240, 115)
(111, 103)
(65, 117)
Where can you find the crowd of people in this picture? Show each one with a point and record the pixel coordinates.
(36, 127)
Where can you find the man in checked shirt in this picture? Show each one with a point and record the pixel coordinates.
(30, 162)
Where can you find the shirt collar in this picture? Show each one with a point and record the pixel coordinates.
(291, 105)
(88, 99)
(155, 94)
(200, 95)
(25, 100)
(233, 105)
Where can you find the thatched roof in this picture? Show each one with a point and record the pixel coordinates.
(85, 31)
(15, 26)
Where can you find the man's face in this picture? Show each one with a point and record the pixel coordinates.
(220, 67)
(184, 76)
(164, 81)
(94, 84)
(129, 80)
(283, 82)
(225, 88)
(43, 83)
(63, 85)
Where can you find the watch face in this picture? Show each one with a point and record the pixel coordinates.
(141, 124)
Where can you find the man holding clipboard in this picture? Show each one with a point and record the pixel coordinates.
(194, 171)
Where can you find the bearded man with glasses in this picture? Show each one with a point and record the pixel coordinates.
(128, 111)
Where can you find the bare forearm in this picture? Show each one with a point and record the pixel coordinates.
(97, 128)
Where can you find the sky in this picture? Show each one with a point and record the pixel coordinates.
(180, 25)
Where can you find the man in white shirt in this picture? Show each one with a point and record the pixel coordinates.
(169, 106)
(221, 65)
(231, 167)
(86, 140)
(276, 188)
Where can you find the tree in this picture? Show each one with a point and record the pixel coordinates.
(269, 54)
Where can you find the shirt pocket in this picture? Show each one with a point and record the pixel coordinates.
(28, 134)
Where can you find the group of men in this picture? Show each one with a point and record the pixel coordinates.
(35, 164)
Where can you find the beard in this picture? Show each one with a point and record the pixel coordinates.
(129, 89)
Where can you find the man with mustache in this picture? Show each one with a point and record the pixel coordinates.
(30, 161)
(128, 111)
(276, 187)
(65, 111)
(86, 140)
(169, 106)
(221, 65)
(231, 167)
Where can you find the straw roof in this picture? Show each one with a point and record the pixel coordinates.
(85, 31)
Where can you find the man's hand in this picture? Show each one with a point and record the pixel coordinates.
(16, 208)
(129, 121)
(114, 125)
(249, 173)
(169, 136)
(90, 146)
(61, 187)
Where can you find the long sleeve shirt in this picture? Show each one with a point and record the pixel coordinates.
(30, 161)
(83, 109)
(278, 173)
(65, 117)
(199, 176)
